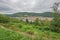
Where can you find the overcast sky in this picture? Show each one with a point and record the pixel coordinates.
(11, 6)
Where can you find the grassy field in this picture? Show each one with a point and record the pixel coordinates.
(19, 31)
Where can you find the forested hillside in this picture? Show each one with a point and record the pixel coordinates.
(20, 14)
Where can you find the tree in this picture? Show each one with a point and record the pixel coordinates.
(55, 9)
(55, 25)
(27, 21)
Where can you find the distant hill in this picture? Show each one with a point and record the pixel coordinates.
(19, 14)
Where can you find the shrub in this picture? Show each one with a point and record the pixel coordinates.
(4, 19)
(55, 25)
(37, 22)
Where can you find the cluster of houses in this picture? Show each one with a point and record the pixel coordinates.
(32, 18)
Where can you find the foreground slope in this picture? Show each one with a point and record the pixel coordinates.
(14, 29)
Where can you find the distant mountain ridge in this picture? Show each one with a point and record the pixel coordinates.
(19, 14)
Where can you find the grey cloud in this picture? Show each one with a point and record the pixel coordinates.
(44, 5)
(26, 5)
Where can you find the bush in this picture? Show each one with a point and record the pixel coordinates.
(37, 22)
(55, 25)
(4, 19)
